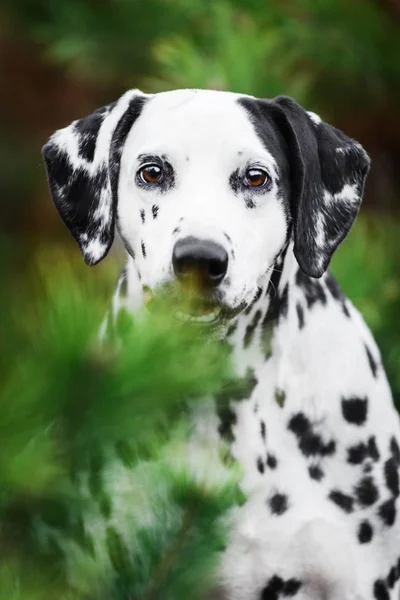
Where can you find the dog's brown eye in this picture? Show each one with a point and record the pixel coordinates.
(256, 177)
(150, 173)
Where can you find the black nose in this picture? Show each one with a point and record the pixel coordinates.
(201, 260)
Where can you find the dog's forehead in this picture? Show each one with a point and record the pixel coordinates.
(195, 121)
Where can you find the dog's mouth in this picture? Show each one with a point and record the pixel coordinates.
(194, 310)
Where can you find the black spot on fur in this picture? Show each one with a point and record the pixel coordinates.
(143, 215)
(312, 289)
(176, 230)
(250, 329)
(372, 362)
(276, 587)
(395, 450)
(260, 465)
(291, 587)
(373, 449)
(392, 577)
(387, 512)
(315, 472)
(359, 453)
(232, 328)
(143, 250)
(249, 202)
(392, 476)
(235, 181)
(366, 492)
(271, 461)
(273, 589)
(354, 410)
(241, 389)
(310, 443)
(365, 532)
(344, 501)
(300, 315)
(154, 210)
(278, 504)
(280, 397)
(380, 590)
(227, 420)
(263, 430)
(333, 286)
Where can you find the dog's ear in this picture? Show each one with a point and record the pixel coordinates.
(83, 162)
(328, 171)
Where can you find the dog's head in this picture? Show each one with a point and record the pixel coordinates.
(208, 187)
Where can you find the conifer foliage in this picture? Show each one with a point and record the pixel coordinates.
(99, 496)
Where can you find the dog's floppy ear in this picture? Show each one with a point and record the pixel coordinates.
(82, 162)
(328, 171)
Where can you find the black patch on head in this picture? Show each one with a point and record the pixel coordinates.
(312, 289)
(143, 249)
(278, 504)
(310, 443)
(344, 501)
(300, 315)
(355, 409)
(313, 159)
(315, 472)
(143, 215)
(365, 532)
(263, 430)
(366, 492)
(392, 476)
(380, 590)
(371, 361)
(387, 512)
(271, 461)
(260, 465)
(154, 210)
(250, 329)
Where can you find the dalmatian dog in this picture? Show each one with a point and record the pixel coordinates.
(252, 197)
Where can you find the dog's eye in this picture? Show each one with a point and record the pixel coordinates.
(256, 177)
(150, 174)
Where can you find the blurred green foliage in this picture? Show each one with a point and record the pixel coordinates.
(330, 53)
(73, 416)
